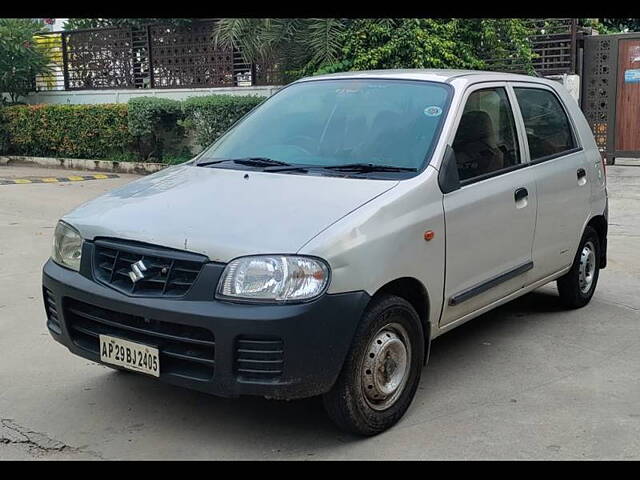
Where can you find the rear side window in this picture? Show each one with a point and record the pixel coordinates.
(546, 123)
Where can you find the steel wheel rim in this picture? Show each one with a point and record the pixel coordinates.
(587, 269)
(386, 366)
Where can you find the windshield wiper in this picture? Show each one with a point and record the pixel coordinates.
(249, 161)
(369, 167)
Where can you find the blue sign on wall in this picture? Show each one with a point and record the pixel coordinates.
(632, 76)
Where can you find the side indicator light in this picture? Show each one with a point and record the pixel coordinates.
(428, 235)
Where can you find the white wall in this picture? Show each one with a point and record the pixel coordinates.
(122, 96)
(59, 23)
(570, 82)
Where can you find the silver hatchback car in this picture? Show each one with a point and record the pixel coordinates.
(322, 243)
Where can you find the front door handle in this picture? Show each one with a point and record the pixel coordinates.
(520, 194)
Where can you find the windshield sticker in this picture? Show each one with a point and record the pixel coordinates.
(433, 111)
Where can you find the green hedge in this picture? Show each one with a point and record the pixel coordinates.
(148, 114)
(212, 115)
(4, 135)
(145, 129)
(73, 131)
(154, 123)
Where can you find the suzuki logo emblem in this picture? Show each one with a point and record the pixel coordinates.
(137, 271)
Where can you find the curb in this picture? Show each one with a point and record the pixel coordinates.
(141, 168)
(73, 178)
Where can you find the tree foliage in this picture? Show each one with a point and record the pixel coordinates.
(21, 58)
(619, 25)
(433, 43)
(313, 45)
(403, 43)
(297, 45)
(82, 23)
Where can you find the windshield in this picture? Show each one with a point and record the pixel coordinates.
(328, 123)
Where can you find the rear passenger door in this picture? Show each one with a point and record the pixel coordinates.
(490, 220)
(561, 172)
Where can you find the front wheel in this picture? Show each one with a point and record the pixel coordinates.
(381, 373)
(576, 287)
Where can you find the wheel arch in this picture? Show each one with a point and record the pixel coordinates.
(599, 224)
(414, 292)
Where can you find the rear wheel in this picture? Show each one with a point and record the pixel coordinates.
(576, 287)
(381, 373)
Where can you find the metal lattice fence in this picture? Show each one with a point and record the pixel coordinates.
(553, 42)
(98, 59)
(598, 90)
(155, 56)
(185, 57)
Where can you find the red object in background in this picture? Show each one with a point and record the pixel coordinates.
(49, 21)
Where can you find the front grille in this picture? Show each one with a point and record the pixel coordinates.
(50, 307)
(259, 358)
(185, 351)
(168, 272)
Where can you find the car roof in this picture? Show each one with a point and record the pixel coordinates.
(431, 74)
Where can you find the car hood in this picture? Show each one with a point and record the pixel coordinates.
(224, 213)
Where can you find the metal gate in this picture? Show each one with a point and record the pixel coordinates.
(611, 93)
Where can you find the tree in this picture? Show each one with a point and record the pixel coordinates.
(21, 58)
(297, 45)
(403, 43)
(83, 23)
(436, 43)
(307, 46)
(619, 25)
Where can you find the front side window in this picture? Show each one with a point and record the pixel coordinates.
(546, 123)
(328, 123)
(486, 140)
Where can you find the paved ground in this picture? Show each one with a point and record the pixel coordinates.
(526, 381)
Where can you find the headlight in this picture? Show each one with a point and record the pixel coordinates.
(274, 278)
(67, 246)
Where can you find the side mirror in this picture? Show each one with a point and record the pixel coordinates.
(448, 178)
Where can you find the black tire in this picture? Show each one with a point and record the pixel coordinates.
(346, 403)
(571, 294)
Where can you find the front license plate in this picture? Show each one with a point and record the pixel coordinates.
(131, 355)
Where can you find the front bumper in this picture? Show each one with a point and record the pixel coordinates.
(275, 351)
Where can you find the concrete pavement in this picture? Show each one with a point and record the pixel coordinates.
(526, 381)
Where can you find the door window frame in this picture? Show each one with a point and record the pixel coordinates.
(518, 131)
(520, 120)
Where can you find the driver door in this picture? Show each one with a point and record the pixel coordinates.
(490, 220)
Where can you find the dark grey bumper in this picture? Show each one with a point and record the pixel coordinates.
(306, 342)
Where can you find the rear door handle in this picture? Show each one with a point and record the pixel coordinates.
(520, 194)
